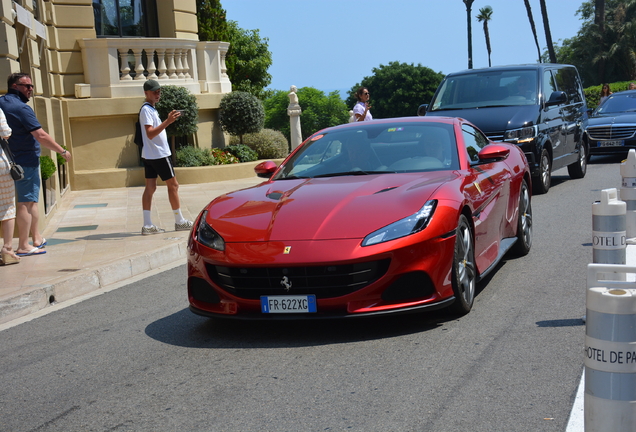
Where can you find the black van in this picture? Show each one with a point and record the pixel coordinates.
(540, 107)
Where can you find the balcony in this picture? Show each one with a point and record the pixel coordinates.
(117, 67)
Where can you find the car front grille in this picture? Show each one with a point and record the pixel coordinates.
(495, 136)
(323, 281)
(611, 132)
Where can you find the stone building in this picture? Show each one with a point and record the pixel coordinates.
(88, 60)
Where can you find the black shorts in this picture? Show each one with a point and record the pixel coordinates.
(159, 167)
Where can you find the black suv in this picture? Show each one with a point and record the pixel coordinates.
(540, 107)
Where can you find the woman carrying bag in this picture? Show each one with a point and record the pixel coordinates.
(7, 197)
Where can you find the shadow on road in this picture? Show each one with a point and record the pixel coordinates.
(189, 330)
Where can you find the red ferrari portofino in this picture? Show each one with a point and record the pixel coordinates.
(378, 217)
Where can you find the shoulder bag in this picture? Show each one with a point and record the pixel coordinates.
(17, 173)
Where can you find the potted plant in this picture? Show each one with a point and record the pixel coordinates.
(47, 169)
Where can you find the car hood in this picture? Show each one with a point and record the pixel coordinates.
(321, 208)
(495, 119)
(611, 118)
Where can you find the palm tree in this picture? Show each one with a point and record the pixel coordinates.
(623, 28)
(533, 27)
(469, 5)
(548, 34)
(485, 15)
(599, 21)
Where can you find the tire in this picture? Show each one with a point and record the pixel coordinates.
(464, 276)
(541, 183)
(524, 223)
(578, 169)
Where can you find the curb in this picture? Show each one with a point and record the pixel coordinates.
(39, 297)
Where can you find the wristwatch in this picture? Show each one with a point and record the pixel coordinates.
(63, 153)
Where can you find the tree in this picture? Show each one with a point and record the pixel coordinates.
(398, 89)
(534, 28)
(211, 20)
(599, 21)
(241, 113)
(469, 5)
(485, 15)
(176, 97)
(603, 51)
(548, 34)
(247, 60)
(319, 111)
(248, 57)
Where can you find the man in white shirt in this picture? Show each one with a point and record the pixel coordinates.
(156, 157)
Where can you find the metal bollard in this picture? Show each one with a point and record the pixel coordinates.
(610, 350)
(608, 229)
(628, 194)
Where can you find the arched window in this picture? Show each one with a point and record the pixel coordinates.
(125, 18)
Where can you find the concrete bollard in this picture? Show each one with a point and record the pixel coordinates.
(628, 194)
(610, 350)
(608, 229)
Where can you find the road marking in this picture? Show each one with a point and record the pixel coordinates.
(577, 418)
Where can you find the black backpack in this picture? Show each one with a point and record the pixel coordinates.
(139, 140)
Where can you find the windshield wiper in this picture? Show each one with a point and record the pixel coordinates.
(356, 172)
(448, 109)
(293, 177)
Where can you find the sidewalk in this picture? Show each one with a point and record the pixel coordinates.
(94, 240)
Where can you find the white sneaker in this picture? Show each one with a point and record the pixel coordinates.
(151, 230)
(185, 226)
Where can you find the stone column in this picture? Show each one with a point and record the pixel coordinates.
(294, 111)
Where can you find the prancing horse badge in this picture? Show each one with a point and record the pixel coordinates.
(287, 250)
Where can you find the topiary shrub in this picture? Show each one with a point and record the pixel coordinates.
(47, 167)
(179, 98)
(242, 152)
(268, 144)
(241, 113)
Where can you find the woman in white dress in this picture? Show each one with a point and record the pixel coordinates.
(7, 200)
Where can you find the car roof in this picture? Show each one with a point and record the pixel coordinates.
(535, 66)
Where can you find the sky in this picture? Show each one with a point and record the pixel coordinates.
(333, 44)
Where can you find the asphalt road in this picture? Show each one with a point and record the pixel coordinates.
(136, 359)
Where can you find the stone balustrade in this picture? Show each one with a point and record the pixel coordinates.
(117, 67)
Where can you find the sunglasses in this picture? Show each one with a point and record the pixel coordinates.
(29, 86)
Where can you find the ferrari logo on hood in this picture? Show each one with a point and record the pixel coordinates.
(287, 250)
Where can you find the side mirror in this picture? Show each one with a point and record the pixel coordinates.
(421, 110)
(265, 169)
(557, 98)
(493, 152)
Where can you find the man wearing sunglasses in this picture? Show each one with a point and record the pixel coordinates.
(25, 143)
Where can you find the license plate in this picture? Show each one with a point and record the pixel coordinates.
(288, 304)
(614, 143)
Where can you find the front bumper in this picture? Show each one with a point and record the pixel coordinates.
(417, 276)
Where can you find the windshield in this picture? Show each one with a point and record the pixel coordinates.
(375, 149)
(618, 103)
(487, 89)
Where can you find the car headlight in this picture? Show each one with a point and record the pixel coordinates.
(521, 135)
(207, 236)
(407, 226)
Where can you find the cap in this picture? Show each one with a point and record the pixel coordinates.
(151, 85)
